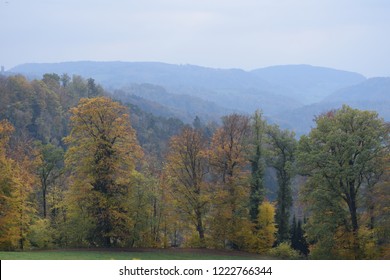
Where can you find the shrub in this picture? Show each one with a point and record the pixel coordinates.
(284, 251)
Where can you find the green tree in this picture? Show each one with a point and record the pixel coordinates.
(93, 90)
(49, 170)
(343, 155)
(102, 156)
(297, 237)
(282, 150)
(257, 189)
(65, 79)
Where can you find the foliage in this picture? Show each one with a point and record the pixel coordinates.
(284, 251)
(199, 186)
(230, 193)
(102, 158)
(257, 191)
(343, 156)
(41, 234)
(282, 151)
(187, 166)
(16, 188)
(49, 170)
(298, 238)
(266, 227)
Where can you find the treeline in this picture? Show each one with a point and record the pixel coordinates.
(81, 170)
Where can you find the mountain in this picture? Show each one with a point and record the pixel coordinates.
(372, 94)
(274, 90)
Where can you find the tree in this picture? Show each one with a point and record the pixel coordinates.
(102, 157)
(16, 187)
(282, 156)
(52, 80)
(228, 157)
(257, 190)
(49, 170)
(65, 79)
(266, 227)
(8, 208)
(187, 164)
(92, 89)
(297, 237)
(342, 156)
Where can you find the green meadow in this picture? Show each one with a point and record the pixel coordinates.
(152, 254)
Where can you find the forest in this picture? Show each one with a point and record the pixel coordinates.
(81, 169)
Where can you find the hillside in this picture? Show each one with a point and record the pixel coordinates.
(157, 100)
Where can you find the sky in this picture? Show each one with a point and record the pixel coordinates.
(352, 35)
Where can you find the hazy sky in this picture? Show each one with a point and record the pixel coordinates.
(345, 34)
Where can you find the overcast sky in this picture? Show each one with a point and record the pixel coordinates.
(350, 35)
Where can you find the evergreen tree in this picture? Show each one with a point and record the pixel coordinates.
(282, 157)
(297, 237)
(257, 190)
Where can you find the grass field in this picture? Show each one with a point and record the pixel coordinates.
(145, 254)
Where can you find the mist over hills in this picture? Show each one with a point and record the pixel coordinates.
(372, 94)
(157, 100)
(289, 95)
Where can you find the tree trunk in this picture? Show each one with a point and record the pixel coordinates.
(44, 202)
(200, 230)
(354, 221)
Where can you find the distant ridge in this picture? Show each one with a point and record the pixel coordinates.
(308, 83)
(304, 82)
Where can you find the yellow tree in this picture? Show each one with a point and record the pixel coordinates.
(187, 165)
(266, 227)
(16, 187)
(8, 208)
(102, 157)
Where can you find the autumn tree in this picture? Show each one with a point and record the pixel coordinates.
(187, 166)
(231, 191)
(266, 232)
(102, 156)
(343, 156)
(16, 188)
(8, 208)
(282, 148)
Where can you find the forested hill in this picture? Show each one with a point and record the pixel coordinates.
(39, 110)
(185, 91)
